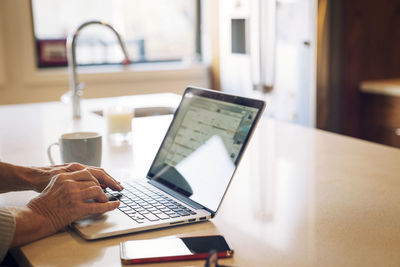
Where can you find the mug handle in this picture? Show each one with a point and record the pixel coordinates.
(49, 152)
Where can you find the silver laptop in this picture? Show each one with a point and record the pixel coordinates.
(191, 171)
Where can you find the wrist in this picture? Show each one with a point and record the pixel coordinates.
(14, 178)
(35, 178)
(30, 178)
(29, 226)
(52, 221)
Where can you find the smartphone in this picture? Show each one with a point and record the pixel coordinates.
(173, 249)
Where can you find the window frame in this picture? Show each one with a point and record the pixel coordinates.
(138, 74)
(197, 42)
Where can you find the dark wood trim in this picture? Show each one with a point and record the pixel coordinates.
(329, 62)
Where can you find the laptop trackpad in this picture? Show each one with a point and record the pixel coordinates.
(101, 225)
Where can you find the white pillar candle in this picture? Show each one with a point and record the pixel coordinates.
(119, 124)
(119, 119)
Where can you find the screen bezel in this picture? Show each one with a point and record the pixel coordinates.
(216, 95)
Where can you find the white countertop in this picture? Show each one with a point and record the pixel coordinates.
(301, 196)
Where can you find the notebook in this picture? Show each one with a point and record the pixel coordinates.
(191, 171)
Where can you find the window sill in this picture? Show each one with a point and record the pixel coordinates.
(120, 74)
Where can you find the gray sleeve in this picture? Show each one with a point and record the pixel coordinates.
(7, 228)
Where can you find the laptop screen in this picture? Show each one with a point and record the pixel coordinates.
(204, 144)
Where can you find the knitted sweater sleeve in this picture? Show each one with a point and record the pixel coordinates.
(7, 228)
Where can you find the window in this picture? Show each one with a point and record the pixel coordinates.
(153, 31)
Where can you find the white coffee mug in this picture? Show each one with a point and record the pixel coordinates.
(81, 147)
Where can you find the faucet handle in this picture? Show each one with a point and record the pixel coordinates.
(67, 96)
(79, 88)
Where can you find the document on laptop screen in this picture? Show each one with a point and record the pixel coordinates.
(199, 154)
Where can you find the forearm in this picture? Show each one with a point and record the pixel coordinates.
(15, 178)
(29, 226)
(66, 198)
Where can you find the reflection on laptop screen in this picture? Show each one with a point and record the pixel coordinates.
(202, 148)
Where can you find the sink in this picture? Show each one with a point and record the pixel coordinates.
(146, 111)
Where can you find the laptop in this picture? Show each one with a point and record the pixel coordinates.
(191, 171)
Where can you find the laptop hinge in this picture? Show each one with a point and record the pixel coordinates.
(182, 198)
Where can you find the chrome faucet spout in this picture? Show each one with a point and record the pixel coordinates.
(76, 88)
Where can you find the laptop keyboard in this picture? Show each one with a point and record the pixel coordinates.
(144, 204)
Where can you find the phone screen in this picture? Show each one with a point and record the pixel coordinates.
(168, 249)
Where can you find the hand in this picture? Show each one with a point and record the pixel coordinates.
(43, 175)
(67, 197)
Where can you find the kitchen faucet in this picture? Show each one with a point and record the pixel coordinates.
(76, 88)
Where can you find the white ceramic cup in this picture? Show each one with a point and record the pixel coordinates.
(81, 147)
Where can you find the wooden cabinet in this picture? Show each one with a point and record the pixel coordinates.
(369, 49)
(380, 118)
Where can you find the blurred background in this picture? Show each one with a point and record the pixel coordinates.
(328, 64)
